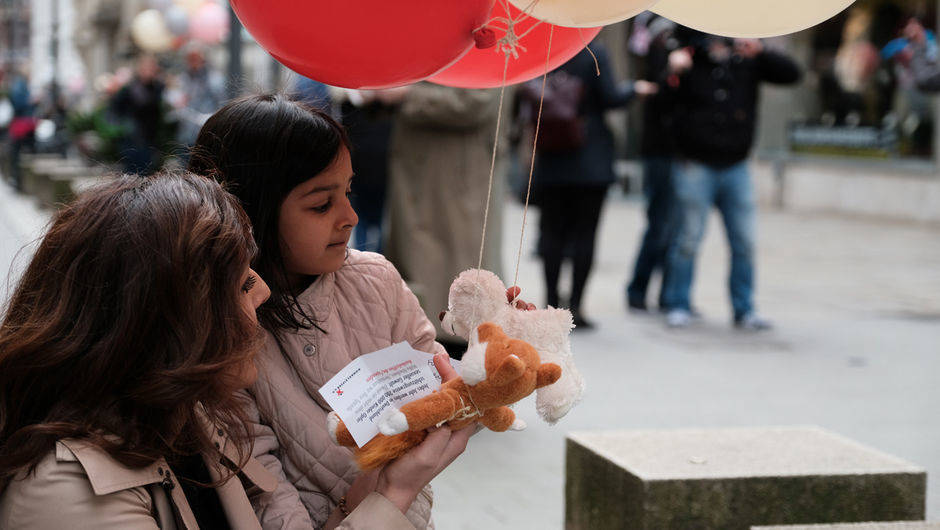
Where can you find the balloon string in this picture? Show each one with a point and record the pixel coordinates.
(489, 191)
(508, 45)
(587, 46)
(535, 139)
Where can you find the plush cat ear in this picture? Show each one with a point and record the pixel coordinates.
(490, 332)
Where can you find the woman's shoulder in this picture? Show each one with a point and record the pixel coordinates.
(85, 490)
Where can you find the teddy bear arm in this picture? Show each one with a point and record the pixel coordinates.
(430, 410)
(548, 373)
(498, 419)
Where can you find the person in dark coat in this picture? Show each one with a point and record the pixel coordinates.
(572, 184)
(656, 153)
(715, 85)
(140, 105)
(368, 117)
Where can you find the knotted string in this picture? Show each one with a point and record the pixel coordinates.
(465, 411)
(509, 44)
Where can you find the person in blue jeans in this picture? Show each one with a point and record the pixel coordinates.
(715, 83)
(698, 187)
(656, 152)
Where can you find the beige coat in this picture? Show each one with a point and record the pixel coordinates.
(441, 151)
(363, 307)
(79, 486)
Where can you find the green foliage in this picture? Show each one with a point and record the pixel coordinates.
(98, 134)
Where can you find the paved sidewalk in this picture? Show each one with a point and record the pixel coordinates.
(21, 223)
(855, 351)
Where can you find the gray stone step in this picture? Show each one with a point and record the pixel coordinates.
(733, 479)
(896, 525)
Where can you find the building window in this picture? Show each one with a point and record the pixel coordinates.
(869, 103)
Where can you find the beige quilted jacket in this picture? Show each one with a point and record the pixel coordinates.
(363, 307)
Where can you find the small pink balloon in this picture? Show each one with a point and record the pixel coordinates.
(209, 24)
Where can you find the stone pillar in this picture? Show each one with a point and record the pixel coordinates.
(732, 479)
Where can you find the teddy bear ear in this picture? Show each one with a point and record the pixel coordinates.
(490, 332)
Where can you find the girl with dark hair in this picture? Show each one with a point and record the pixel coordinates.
(289, 165)
(120, 353)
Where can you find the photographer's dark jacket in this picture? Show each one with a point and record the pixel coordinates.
(716, 104)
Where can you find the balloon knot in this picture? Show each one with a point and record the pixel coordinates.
(485, 38)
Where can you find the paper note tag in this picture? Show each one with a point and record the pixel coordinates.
(365, 389)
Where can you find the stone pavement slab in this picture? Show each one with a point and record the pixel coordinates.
(857, 311)
(22, 223)
(897, 525)
(743, 452)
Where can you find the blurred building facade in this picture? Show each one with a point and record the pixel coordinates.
(855, 136)
(74, 42)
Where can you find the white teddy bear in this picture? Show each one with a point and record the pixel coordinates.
(479, 296)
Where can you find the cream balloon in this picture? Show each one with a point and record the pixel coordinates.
(584, 13)
(749, 18)
(150, 33)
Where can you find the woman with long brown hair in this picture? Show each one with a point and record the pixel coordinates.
(121, 352)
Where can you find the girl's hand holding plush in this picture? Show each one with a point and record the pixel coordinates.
(402, 480)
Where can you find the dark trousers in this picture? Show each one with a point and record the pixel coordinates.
(660, 228)
(568, 226)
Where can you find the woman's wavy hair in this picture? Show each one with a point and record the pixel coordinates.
(127, 329)
(262, 147)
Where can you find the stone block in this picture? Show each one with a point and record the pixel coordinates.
(895, 525)
(733, 479)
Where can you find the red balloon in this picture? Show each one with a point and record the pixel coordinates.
(483, 68)
(364, 43)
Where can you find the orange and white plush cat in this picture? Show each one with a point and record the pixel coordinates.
(496, 371)
(478, 296)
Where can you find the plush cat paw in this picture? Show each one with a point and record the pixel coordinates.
(393, 422)
(332, 422)
(517, 425)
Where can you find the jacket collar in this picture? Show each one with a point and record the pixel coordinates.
(107, 475)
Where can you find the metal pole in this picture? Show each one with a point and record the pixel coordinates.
(12, 15)
(54, 52)
(235, 68)
(274, 71)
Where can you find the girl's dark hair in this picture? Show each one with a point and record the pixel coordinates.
(262, 147)
(126, 321)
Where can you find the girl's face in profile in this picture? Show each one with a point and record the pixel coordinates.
(252, 292)
(316, 221)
